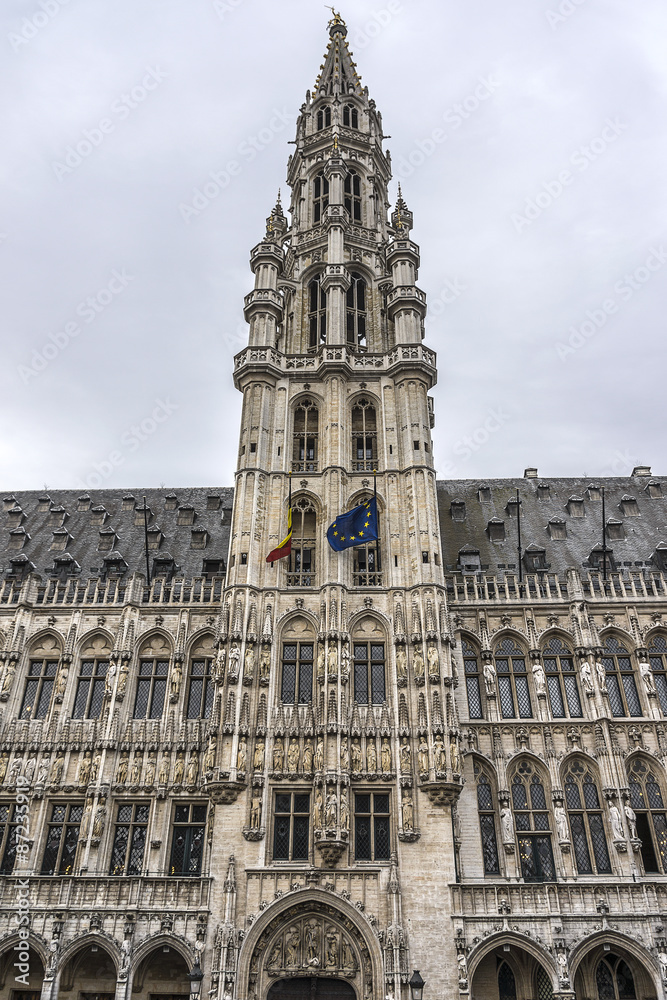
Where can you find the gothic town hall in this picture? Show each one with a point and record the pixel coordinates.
(433, 765)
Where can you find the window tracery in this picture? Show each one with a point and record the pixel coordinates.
(564, 696)
(487, 821)
(657, 653)
(620, 677)
(513, 689)
(305, 437)
(301, 565)
(364, 436)
(650, 818)
(356, 311)
(352, 195)
(320, 196)
(317, 314)
(472, 675)
(532, 822)
(586, 821)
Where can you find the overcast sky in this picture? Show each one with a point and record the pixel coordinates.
(539, 206)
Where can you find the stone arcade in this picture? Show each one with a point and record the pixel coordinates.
(312, 777)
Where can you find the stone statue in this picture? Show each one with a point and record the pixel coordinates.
(163, 773)
(345, 661)
(418, 664)
(455, 755)
(57, 769)
(220, 658)
(193, 768)
(321, 676)
(308, 757)
(405, 755)
(539, 678)
(15, 769)
(256, 811)
(234, 659)
(489, 678)
(278, 754)
(332, 949)
(601, 675)
(61, 681)
(274, 958)
(344, 755)
(371, 755)
(9, 677)
(507, 824)
(122, 681)
(125, 950)
(332, 661)
(108, 683)
(357, 760)
(632, 820)
(331, 810)
(258, 756)
(265, 663)
(319, 755)
(179, 768)
(249, 665)
(292, 948)
(241, 754)
(84, 769)
(439, 754)
(422, 756)
(293, 756)
(407, 810)
(85, 818)
(313, 944)
(344, 810)
(176, 678)
(463, 970)
(646, 675)
(100, 820)
(616, 822)
(662, 958)
(433, 663)
(121, 771)
(385, 756)
(561, 823)
(149, 777)
(95, 769)
(318, 810)
(347, 955)
(587, 677)
(401, 665)
(30, 769)
(135, 772)
(4, 761)
(209, 755)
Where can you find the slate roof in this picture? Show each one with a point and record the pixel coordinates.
(74, 529)
(548, 511)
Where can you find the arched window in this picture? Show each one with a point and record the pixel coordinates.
(356, 311)
(657, 652)
(323, 118)
(91, 681)
(320, 196)
(621, 685)
(471, 670)
(647, 802)
(506, 983)
(350, 116)
(561, 679)
(297, 676)
(487, 821)
(543, 984)
(39, 685)
(364, 436)
(152, 682)
(614, 979)
(586, 823)
(512, 680)
(304, 450)
(201, 690)
(367, 559)
(317, 314)
(301, 567)
(352, 195)
(531, 818)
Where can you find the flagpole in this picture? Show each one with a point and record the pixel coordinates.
(377, 522)
(289, 508)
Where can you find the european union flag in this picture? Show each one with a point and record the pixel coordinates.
(356, 527)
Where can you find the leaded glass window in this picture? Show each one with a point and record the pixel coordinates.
(62, 839)
(187, 844)
(614, 979)
(620, 677)
(369, 673)
(151, 688)
(584, 810)
(506, 983)
(512, 678)
(364, 436)
(304, 450)
(38, 689)
(10, 821)
(301, 561)
(472, 675)
(561, 679)
(323, 118)
(320, 195)
(90, 688)
(532, 822)
(657, 653)
(129, 842)
(291, 819)
(350, 116)
(317, 314)
(352, 195)
(371, 826)
(647, 801)
(543, 984)
(297, 676)
(487, 822)
(201, 689)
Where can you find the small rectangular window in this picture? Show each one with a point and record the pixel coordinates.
(290, 826)
(371, 826)
(424, 557)
(62, 839)
(415, 445)
(187, 845)
(244, 558)
(129, 842)
(253, 447)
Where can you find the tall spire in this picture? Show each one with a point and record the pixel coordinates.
(338, 73)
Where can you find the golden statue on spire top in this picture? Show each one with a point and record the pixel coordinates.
(336, 19)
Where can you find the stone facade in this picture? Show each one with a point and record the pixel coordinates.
(442, 751)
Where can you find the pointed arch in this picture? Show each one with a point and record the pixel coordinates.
(305, 433)
(510, 660)
(200, 687)
(298, 651)
(648, 803)
(44, 653)
(583, 801)
(159, 940)
(92, 669)
(486, 784)
(39, 641)
(517, 942)
(471, 656)
(154, 653)
(88, 639)
(585, 952)
(620, 675)
(563, 690)
(530, 796)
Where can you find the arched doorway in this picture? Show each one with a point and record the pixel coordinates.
(311, 988)
(30, 986)
(89, 974)
(162, 975)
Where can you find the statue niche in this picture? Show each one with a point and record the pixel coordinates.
(312, 943)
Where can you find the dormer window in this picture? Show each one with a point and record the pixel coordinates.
(170, 501)
(107, 539)
(654, 490)
(98, 515)
(323, 118)
(660, 556)
(65, 565)
(495, 529)
(484, 494)
(9, 502)
(575, 507)
(155, 537)
(615, 529)
(469, 560)
(186, 514)
(142, 515)
(535, 558)
(352, 198)
(350, 116)
(457, 510)
(83, 503)
(320, 196)
(15, 517)
(44, 502)
(557, 529)
(543, 491)
(18, 538)
(512, 507)
(57, 516)
(114, 564)
(356, 311)
(164, 566)
(212, 501)
(199, 538)
(60, 539)
(21, 567)
(594, 493)
(597, 561)
(629, 507)
(128, 502)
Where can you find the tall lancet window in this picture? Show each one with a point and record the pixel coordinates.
(304, 450)
(317, 314)
(320, 196)
(301, 565)
(352, 198)
(323, 118)
(364, 436)
(356, 311)
(350, 116)
(586, 823)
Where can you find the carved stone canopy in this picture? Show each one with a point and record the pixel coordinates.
(442, 793)
(224, 792)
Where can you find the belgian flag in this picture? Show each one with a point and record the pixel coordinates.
(285, 546)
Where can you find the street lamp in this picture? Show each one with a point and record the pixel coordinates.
(416, 985)
(195, 977)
